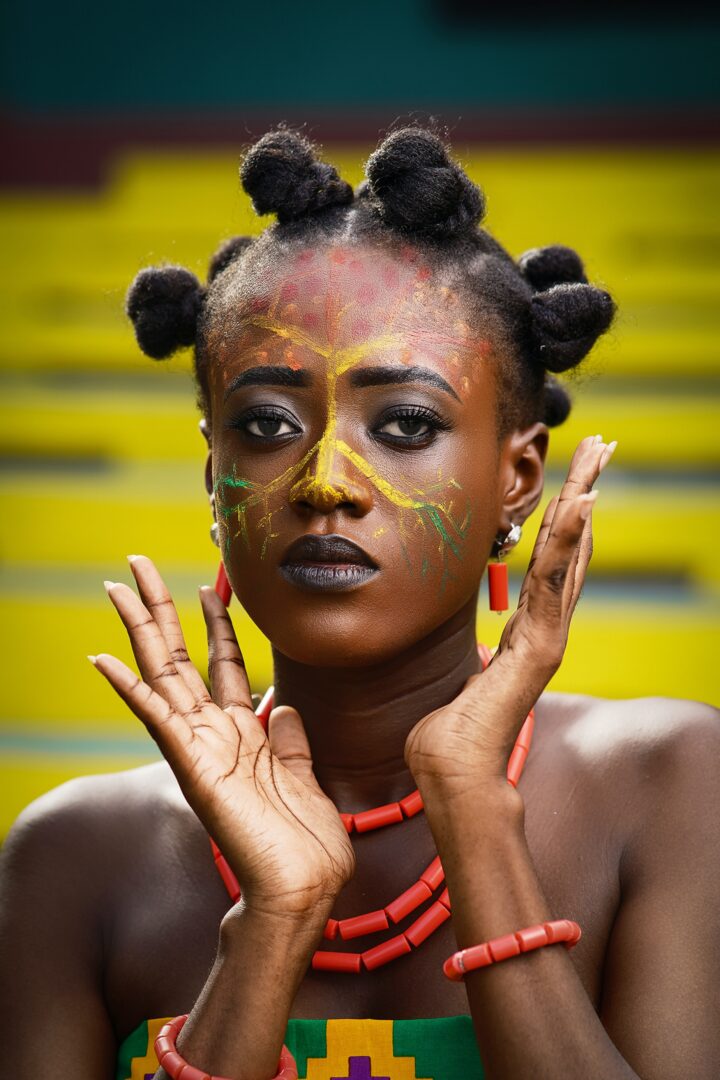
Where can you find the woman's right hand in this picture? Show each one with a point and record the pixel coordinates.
(256, 794)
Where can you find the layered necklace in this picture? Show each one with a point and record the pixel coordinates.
(427, 886)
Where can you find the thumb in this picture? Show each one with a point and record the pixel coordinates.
(289, 743)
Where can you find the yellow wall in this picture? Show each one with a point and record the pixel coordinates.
(102, 455)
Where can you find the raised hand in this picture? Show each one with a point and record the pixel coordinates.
(256, 794)
(475, 733)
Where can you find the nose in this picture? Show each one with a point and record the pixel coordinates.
(330, 483)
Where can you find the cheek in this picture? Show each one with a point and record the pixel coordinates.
(248, 507)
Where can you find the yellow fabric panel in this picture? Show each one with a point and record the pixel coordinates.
(360, 1038)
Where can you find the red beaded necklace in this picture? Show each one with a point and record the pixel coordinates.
(397, 910)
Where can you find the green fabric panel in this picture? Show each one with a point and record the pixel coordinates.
(444, 1047)
(304, 1039)
(134, 1046)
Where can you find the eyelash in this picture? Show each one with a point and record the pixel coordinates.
(413, 412)
(405, 412)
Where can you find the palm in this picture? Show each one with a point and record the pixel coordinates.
(256, 794)
(479, 727)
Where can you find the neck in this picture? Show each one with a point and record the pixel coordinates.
(357, 719)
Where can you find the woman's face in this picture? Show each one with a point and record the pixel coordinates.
(355, 457)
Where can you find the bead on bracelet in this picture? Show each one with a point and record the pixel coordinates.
(179, 1069)
(508, 945)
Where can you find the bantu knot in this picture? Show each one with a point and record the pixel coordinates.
(164, 303)
(282, 175)
(566, 322)
(415, 186)
(554, 265)
(556, 403)
(227, 253)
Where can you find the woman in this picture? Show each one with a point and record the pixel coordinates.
(374, 375)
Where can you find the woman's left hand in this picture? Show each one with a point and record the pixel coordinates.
(473, 736)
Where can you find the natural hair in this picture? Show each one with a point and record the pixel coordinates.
(542, 309)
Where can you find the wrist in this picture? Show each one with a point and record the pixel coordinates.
(264, 921)
(469, 810)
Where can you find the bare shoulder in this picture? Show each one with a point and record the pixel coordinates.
(86, 825)
(634, 728)
(651, 755)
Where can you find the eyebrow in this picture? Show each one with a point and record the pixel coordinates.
(268, 375)
(386, 376)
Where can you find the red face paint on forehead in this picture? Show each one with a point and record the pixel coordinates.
(367, 302)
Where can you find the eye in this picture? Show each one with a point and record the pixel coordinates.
(410, 425)
(266, 424)
(406, 425)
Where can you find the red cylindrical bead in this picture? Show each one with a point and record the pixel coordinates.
(171, 1062)
(385, 952)
(516, 764)
(455, 965)
(222, 586)
(502, 948)
(360, 925)
(412, 804)
(229, 880)
(164, 1043)
(498, 586)
(336, 961)
(331, 929)
(409, 900)
(533, 937)
(427, 924)
(347, 820)
(444, 899)
(377, 817)
(526, 731)
(433, 875)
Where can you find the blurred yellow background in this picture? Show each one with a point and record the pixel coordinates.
(102, 457)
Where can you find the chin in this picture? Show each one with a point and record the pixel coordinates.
(337, 635)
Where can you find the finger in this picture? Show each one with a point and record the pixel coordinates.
(168, 729)
(158, 601)
(547, 595)
(590, 458)
(578, 568)
(150, 650)
(540, 542)
(289, 743)
(226, 667)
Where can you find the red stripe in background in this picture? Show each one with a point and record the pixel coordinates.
(75, 150)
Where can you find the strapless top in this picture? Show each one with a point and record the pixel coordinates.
(439, 1048)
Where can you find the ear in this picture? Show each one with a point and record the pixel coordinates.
(522, 474)
(207, 435)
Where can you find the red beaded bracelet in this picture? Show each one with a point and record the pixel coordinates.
(178, 1069)
(502, 948)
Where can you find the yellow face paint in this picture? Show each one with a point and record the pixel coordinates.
(431, 509)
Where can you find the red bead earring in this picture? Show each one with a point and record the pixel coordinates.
(498, 571)
(222, 586)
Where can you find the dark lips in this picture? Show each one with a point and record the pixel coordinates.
(326, 563)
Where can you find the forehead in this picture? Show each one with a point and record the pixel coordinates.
(360, 304)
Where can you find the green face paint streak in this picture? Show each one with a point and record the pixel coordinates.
(425, 509)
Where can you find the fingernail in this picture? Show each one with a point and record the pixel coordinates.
(607, 454)
(93, 660)
(132, 558)
(587, 503)
(598, 438)
(108, 585)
